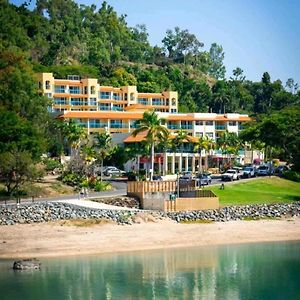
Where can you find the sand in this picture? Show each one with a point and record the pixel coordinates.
(58, 239)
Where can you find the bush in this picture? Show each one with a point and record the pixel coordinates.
(71, 179)
(102, 186)
(51, 164)
(292, 175)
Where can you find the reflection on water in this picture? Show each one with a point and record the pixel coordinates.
(260, 271)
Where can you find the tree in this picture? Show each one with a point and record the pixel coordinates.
(151, 125)
(102, 144)
(204, 143)
(238, 74)
(217, 68)
(180, 139)
(17, 168)
(165, 144)
(73, 133)
(180, 44)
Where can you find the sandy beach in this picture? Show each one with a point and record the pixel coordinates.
(61, 239)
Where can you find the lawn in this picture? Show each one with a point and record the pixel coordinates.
(258, 191)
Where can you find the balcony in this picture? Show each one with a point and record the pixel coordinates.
(98, 125)
(120, 125)
(220, 127)
(173, 127)
(186, 126)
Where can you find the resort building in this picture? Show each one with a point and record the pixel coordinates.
(116, 110)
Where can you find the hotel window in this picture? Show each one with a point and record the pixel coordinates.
(167, 101)
(96, 123)
(209, 123)
(209, 134)
(73, 77)
(232, 123)
(49, 95)
(198, 134)
(47, 84)
(117, 107)
(199, 123)
(85, 90)
(143, 101)
(93, 90)
(104, 106)
(116, 124)
(74, 89)
(132, 97)
(60, 101)
(93, 101)
(59, 89)
(40, 85)
(117, 96)
(104, 95)
(157, 101)
(78, 101)
(173, 101)
(173, 110)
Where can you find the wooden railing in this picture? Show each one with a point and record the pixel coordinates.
(151, 186)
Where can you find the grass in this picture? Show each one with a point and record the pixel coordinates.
(196, 222)
(85, 222)
(259, 191)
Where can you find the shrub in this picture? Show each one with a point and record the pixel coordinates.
(102, 186)
(51, 164)
(292, 175)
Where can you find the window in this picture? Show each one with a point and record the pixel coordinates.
(49, 95)
(104, 106)
(93, 90)
(132, 97)
(199, 123)
(116, 124)
(104, 95)
(73, 77)
(60, 101)
(85, 90)
(74, 89)
(93, 101)
(198, 134)
(78, 101)
(40, 85)
(60, 89)
(186, 125)
(173, 110)
(157, 101)
(117, 107)
(143, 101)
(47, 84)
(210, 134)
(209, 123)
(96, 123)
(232, 123)
(117, 96)
(173, 101)
(173, 125)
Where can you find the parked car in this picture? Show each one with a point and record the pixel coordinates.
(203, 179)
(249, 172)
(110, 171)
(280, 169)
(264, 170)
(239, 171)
(230, 175)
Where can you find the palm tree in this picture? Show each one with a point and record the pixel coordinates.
(102, 144)
(73, 133)
(151, 124)
(179, 140)
(204, 143)
(165, 143)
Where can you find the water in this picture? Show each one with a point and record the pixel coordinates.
(254, 271)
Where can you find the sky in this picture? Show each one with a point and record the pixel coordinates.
(256, 35)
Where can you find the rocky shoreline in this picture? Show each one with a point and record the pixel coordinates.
(54, 211)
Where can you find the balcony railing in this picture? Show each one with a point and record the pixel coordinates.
(171, 126)
(98, 125)
(118, 126)
(220, 127)
(186, 126)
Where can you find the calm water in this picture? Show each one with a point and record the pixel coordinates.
(259, 271)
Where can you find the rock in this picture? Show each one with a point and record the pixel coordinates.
(27, 264)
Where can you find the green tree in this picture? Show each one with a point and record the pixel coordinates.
(204, 143)
(217, 68)
(150, 124)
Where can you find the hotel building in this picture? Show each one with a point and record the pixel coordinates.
(115, 110)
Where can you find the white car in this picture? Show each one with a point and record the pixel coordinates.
(230, 175)
(110, 171)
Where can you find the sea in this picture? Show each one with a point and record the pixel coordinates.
(246, 271)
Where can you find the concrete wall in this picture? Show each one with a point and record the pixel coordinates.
(185, 204)
(155, 200)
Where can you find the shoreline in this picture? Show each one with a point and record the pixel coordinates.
(58, 239)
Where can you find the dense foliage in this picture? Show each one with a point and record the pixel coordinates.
(63, 37)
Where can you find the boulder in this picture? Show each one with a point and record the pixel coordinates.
(27, 264)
